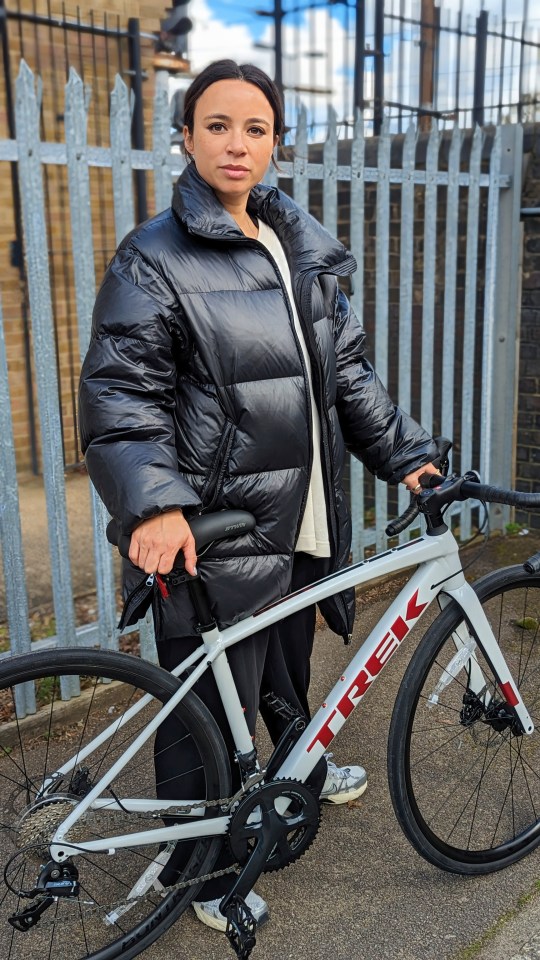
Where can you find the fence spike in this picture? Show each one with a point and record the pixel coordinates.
(300, 163)
(357, 303)
(124, 207)
(44, 348)
(406, 286)
(161, 143)
(11, 536)
(429, 275)
(382, 261)
(448, 371)
(330, 159)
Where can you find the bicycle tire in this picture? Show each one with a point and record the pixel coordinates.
(102, 922)
(467, 795)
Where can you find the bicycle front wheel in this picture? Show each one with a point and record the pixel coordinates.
(117, 902)
(465, 783)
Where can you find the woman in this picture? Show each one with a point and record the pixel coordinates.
(226, 370)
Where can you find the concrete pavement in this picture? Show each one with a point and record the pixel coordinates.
(516, 936)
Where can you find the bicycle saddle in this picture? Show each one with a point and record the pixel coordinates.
(205, 528)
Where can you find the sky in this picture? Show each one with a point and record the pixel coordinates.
(233, 25)
(233, 28)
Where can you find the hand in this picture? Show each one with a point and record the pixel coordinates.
(155, 543)
(412, 482)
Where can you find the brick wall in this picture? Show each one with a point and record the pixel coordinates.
(528, 423)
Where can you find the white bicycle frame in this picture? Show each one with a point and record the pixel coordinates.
(438, 572)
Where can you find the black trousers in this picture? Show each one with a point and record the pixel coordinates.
(275, 660)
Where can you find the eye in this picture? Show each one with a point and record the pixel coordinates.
(258, 131)
(216, 127)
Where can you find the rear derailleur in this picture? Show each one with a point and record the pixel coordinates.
(55, 881)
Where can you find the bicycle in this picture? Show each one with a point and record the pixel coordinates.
(91, 852)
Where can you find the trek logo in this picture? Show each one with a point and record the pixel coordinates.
(373, 666)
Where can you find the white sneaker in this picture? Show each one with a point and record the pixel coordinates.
(343, 783)
(209, 913)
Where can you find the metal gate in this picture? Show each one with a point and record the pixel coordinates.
(435, 230)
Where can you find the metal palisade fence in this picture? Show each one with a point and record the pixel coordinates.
(438, 249)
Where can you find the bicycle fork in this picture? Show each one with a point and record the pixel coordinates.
(465, 658)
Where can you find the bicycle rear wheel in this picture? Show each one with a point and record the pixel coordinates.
(122, 904)
(464, 782)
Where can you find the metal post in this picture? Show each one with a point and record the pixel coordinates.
(379, 68)
(503, 373)
(278, 21)
(427, 60)
(137, 123)
(359, 53)
(524, 26)
(480, 68)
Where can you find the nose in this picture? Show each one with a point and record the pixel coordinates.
(236, 143)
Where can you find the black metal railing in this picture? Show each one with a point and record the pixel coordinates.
(407, 60)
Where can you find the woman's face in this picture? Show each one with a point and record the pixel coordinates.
(232, 139)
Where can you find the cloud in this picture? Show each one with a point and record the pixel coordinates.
(214, 36)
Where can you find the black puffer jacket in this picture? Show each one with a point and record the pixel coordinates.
(194, 391)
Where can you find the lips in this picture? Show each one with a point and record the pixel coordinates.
(233, 172)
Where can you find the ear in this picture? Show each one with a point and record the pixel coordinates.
(188, 140)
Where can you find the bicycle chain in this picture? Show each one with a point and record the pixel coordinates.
(97, 819)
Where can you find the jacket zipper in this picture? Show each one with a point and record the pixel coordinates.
(212, 487)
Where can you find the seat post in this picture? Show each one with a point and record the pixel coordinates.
(199, 598)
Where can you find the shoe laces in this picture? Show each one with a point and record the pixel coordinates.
(338, 773)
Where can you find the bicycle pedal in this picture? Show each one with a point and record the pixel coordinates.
(281, 707)
(241, 927)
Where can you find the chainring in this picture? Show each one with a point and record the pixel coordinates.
(296, 828)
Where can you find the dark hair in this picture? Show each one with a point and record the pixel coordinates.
(230, 70)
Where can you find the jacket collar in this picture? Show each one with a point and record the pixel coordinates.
(306, 243)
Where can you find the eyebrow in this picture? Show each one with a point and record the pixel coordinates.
(224, 116)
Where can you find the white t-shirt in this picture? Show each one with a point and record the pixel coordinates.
(313, 537)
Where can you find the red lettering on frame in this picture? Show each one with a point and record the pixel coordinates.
(383, 653)
(325, 734)
(400, 629)
(380, 656)
(357, 689)
(414, 609)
